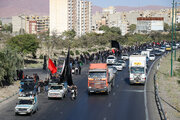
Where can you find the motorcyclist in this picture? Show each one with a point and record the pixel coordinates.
(74, 91)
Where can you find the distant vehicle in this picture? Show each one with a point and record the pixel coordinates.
(111, 59)
(152, 57)
(57, 91)
(156, 48)
(149, 49)
(137, 69)
(136, 53)
(26, 105)
(168, 48)
(162, 49)
(146, 53)
(118, 66)
(100, 78)
(122, 62)
(125, 57)
(158, 53)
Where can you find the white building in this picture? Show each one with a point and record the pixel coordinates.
(70, 14)
(148, 24)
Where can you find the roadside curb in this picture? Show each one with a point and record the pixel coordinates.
(1, 101)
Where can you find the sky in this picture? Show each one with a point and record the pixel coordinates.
(136, 3)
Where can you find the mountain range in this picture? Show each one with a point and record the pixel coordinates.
(10, 8)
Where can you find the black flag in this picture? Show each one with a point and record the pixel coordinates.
(66, 73)
(115, 44)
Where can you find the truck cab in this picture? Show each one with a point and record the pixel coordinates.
(99, 78)
(137, 69)
(57, 91)
(26, 105)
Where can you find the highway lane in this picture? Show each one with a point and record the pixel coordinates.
(125, 102)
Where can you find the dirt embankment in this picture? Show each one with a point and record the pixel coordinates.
(169, 87)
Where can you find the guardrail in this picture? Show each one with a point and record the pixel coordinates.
(162, 114)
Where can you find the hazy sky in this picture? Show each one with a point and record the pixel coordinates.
(106, 3)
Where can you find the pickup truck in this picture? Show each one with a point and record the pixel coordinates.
(57, 91)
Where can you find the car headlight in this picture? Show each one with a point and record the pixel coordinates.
(29, 110)
(89, 87)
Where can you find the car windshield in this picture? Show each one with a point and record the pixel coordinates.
(111, 58)
(29, 102)
(151, 55)
(124, 55)
(137, 70)
(97, 75)
(56, 87)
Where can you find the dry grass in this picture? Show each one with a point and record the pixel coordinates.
(169, 87)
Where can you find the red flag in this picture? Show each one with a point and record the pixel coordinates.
(113, 50)
(52, 67)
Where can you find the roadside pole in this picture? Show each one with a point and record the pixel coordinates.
(172, 36)
(175, 29)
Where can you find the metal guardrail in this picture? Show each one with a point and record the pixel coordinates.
(158, 101)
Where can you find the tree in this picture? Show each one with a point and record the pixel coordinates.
(69, 34)
(105, 28)
(0, 22)
(132, 28)
(166, 27)
(7, 27)
(24, 44)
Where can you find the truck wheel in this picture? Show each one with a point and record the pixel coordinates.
(15, 114)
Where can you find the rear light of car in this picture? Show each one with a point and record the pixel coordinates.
(103, 79)
(90, 79)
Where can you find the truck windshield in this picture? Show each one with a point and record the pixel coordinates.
(111, 58)
(56, 87)
(97, 75)
(29, 102)
(137, 70)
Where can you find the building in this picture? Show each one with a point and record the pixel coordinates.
(109, 10)
(70, 14)
(148, 24)
(30, 24)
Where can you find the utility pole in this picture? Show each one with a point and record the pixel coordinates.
(172, 36)
(175, 29)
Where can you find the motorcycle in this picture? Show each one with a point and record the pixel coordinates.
(73, 95)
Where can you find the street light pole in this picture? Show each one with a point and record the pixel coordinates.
(172, 36)
(175, 29)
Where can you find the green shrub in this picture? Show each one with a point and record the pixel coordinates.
(94, 50)
(85, 52)
(55, 54)
(179, 59)
(62, 53)
(77, 52)
(72, 53)
(41, 56)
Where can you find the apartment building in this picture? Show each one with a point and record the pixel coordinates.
(70, 14)
(30, 24)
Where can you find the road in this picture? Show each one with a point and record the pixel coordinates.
(126, 102)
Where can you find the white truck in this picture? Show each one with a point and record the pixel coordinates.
(27, 105)
(137, 69)
(146, 53)
(57, 91)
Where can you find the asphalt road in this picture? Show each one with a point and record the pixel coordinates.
(125, 102)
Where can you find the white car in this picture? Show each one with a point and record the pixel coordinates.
(149, 49)
(152, 57)
(156, 48)
(125, 57)
(162, 49)
(118, 66)
(57, 91)
(122, 62)
(111, 59)
(26, 105)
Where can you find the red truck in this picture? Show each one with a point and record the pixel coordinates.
(100, 78)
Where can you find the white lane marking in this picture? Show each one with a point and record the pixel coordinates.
(109, 105)
(140, 91)
(145, 97)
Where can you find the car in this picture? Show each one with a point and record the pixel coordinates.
(156, 48)
(113, 68)
(136, 53)
(158, 53)
(122, 62)
(152, 57)
(162, 49)
(118, 66)
(111, 59)
(168, 48)
(149, 49)
(125, 57)
(26, 105)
